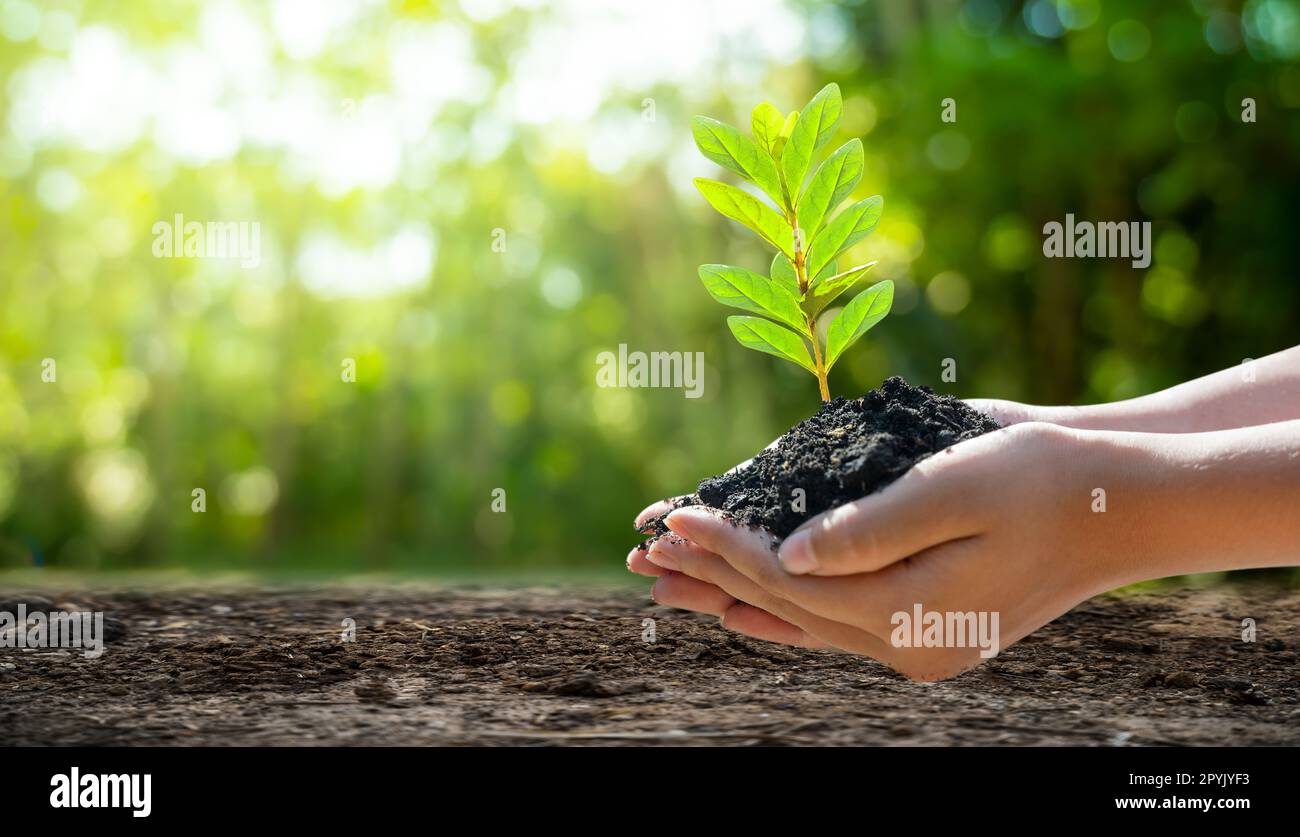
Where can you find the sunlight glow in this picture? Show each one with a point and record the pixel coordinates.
(578, 81)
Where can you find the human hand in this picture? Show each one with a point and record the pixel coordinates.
(636, 559)
(1000, 524)
(1024, 523)
(1256, 392)
(709, 598)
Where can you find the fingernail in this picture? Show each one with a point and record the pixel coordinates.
(660, 558)
(796, 554)
(632, 555)
(680, 521)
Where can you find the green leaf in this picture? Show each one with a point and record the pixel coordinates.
(731, 149)
(786, 130)
(766, 123)
(783, 274)
(832, 183)
(816, 125)
(750, 211)
(857, 318)
(849, 227)
(825, 291)
(748, 291)
(766, 336)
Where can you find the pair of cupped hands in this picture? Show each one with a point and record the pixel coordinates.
(1008, 522)
(977, 527)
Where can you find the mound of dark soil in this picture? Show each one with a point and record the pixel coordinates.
(849, 449)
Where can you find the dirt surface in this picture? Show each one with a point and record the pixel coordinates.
(850, 448)
(545, 667)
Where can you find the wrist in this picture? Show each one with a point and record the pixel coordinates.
(1122, 504)
(1181, 503)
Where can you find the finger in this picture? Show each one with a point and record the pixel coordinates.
(681, 557)
(1006, 412)
(863, 601)
(759, 624)
(659, 508)
(856, 613)
(686, 593)
(639, 564)
(695, 560)
(675, 589)
(934, 502)
(675, 553)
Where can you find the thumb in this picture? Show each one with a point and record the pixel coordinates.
(710, 530)
(923, 508)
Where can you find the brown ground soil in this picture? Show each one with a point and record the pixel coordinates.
(545, 666)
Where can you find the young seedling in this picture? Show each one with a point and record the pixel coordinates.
(805, 276)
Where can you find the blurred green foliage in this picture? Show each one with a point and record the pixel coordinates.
(471, 202)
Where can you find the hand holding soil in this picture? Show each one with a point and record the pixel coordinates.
(1025, 522)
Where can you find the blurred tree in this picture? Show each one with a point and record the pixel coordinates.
(468, 204)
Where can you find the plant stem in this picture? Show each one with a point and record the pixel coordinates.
(817, 356)
(801, 272)
(792, 218)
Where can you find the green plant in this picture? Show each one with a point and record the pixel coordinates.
(804, 277)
